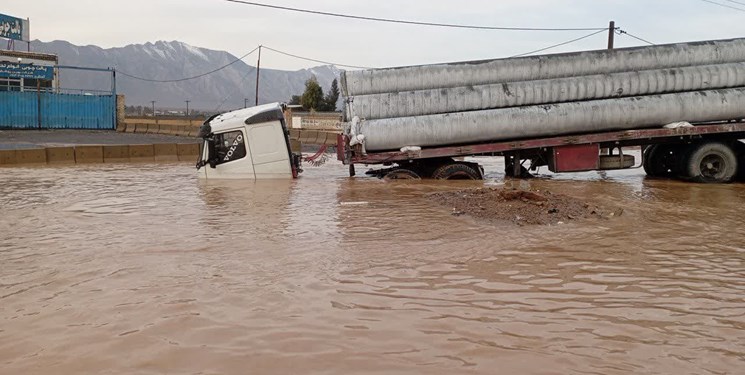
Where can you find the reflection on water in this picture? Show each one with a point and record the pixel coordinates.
(145, 269)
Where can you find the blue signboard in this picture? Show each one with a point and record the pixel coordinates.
(13, 70)
(13, 28)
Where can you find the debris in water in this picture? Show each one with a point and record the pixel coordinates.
(521, 207)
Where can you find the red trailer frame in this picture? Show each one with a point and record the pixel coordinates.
(579, 152)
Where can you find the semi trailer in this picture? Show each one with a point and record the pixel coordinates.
(682, 104)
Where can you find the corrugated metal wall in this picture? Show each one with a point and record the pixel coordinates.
(19, 110)
(32, 110)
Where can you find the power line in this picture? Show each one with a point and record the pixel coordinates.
(188, 78)
(736, 2)
(724, 5)
(622, 32)
(420, 23)
(560, 44)
(243, 79)
(314, 60)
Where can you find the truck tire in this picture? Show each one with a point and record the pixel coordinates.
(648, 164)
(401, 174)
(710, 162)
(456, 171)
(663, 160)
(739, 148)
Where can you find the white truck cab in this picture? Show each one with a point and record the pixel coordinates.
(250, 143)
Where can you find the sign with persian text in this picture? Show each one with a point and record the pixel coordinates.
(14, 28)
(28, 71)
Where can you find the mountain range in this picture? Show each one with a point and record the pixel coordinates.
(225, 89)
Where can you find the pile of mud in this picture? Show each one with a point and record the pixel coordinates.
(521, 207)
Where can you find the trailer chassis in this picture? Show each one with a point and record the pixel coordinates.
(712, 143)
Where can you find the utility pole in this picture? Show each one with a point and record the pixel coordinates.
(153, 101)
(187, 107)
(245, 102)
(611, 37)
(258, 67)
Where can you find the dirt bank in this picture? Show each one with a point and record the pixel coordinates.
(521, 207)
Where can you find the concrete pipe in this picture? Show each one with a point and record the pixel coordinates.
(469, 73)
(560, 90)
(553, 119)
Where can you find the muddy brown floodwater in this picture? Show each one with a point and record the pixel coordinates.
(144, 269)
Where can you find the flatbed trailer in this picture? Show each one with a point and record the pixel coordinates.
(706, 152)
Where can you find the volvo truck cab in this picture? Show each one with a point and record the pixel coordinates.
(250, 143)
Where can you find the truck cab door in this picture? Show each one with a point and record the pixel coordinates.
(229, 156)
(269, 152)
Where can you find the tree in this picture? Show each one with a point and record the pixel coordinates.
(295, 100)
(312, 98)
(332, 97)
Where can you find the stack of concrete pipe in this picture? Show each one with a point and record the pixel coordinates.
(536, 96)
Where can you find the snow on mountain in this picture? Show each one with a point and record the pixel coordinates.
(222, 90)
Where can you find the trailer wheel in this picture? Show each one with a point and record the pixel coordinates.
(401, 174)
(648, 161)
(456, 171)
(710, 162)
(739, 147)
(663, 160)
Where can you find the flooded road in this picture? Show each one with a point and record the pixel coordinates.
(145, 269)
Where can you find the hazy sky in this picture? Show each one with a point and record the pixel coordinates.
(237, 28)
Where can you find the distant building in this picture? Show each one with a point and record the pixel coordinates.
(329, 121)
(27, 71)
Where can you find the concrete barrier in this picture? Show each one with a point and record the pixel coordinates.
(183, 130)
(295, 145)
(167, 129)
(60, 155)
(7, 157)
(88, 154)
(140, 128)
(188, 151)
(153, 128)
(141, 153)
(115, 153)
(165, 152)
(31, 156)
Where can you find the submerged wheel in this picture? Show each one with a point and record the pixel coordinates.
(401, 174)
(648, 164)
(739, 148)
(710, 162)
(663, 160)
(456, 171)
